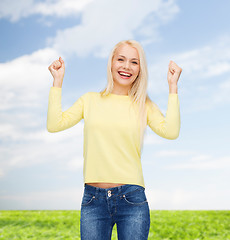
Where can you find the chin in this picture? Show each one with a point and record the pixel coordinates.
(124, 84)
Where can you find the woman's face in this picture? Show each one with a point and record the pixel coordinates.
(125, 68)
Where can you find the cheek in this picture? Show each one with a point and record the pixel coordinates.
(114, 68)
(137, 70)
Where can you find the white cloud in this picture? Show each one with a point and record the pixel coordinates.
(25, 84)
(204, 83)
(1, 173)
(14, 133)
(61, 8)
(25, 8)
(24, 79)
(32, 148)
(173, 153)
(151, 138)
(74, 164)
(63, 199)
(203, 162)
(199, 65)
(104, 23)
(208, 61)
(221, 95)
(210, 198)
(158, 199)
(16, 9)
(190, 160)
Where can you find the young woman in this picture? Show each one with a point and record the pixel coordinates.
(115, 120)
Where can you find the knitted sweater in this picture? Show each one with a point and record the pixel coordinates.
(112, 149)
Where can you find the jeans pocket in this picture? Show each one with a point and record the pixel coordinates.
(137, 197)
(87, 199)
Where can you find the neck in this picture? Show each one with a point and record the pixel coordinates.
(120, 91)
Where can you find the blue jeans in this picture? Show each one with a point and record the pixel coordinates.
(125, 205)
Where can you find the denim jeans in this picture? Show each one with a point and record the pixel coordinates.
(125, 205)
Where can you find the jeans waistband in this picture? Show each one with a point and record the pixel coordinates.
(123, 189)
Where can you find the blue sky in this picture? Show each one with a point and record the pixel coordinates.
(42, 170)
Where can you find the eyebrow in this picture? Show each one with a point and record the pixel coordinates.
(132, 58)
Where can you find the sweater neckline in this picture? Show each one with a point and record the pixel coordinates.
(118, 96)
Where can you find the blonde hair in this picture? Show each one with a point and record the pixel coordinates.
(138, 90)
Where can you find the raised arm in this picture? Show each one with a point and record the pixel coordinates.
(167, 126)
(56, 119)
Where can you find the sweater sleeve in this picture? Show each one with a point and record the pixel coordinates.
(165, 126)
(58, 120)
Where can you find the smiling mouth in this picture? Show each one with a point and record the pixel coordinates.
(125, 75)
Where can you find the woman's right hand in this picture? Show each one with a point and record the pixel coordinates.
(57, 69)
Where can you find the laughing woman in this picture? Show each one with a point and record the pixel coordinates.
(115, 121)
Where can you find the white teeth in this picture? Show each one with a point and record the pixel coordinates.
(125, 74)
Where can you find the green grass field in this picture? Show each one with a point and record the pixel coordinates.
(65, 224)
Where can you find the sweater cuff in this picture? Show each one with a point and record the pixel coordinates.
(173, 98)
(55, 94)
(56, 89)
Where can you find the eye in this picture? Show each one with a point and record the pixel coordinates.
(134, 62)
(120, 59)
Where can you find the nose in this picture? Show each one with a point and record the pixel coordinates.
(126, 65)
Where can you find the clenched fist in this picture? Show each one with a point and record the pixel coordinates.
(57, 69)
(174, 72)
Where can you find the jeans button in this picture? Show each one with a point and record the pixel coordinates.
(109, 193)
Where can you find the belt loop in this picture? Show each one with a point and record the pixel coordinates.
(119, 189)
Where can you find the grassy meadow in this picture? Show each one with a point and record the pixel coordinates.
(65, 224)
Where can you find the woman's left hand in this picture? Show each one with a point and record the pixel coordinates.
(174, 72)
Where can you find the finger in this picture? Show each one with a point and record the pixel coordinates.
(175, 68)
(178, 69)
(62, 62)
(171, 68)
(171, 65)
(57, 64)
(50, 67)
